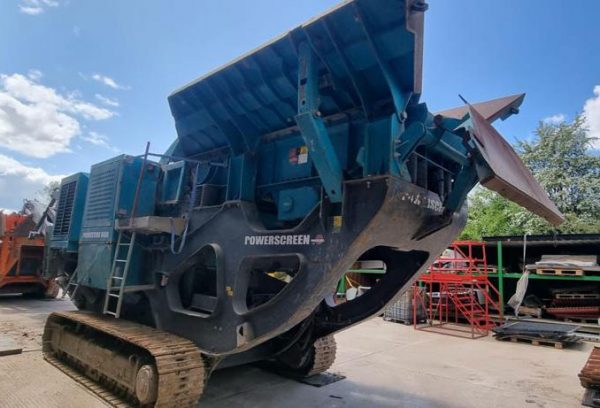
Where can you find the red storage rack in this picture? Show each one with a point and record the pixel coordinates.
(457, 288)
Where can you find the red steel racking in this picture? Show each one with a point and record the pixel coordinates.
(455, 287)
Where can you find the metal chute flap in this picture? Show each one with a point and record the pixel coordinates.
(507, 174)
(499, 108)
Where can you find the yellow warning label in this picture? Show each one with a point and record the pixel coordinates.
(337, 221)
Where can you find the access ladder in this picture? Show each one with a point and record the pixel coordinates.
(117, 279)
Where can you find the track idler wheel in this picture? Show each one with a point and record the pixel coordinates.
(306, 360)
(146, 384)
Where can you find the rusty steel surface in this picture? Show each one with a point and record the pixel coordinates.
(490, 110)
(590, 373)
(575, 312)
(179, 364)
(18, 250)
(509, 177)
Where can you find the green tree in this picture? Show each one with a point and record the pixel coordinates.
(48, 190)
(560, 159)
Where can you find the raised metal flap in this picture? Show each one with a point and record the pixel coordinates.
(506, 174)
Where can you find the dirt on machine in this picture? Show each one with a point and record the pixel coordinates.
(291, 163)
(130, 362)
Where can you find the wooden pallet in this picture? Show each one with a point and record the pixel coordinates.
(535, 312)
(407, 322)
(560, 272)
(580, 319)
(534, 342)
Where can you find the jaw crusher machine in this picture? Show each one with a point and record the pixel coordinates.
(290, 164)
(22, 251)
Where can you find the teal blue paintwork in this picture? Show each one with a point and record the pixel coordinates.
(69, 212)
(357, 62)
(312, 127)
(297, 202)
(286, 126)
(110, 197)
(172, 182)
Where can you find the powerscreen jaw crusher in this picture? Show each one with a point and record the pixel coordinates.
(291, 163)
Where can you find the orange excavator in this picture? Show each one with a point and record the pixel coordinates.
(22, 254)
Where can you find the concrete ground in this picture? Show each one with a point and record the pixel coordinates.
(386, 365)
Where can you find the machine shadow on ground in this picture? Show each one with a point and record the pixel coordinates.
(250, 386)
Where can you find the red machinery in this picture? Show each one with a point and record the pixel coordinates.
(21, 257)
(455, 287)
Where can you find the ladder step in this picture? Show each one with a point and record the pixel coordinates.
(118, 275)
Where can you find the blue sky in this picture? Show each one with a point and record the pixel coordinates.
(82, 80)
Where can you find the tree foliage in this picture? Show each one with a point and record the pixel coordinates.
(559, 157)
(46, 193)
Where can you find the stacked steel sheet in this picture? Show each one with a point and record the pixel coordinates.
(582, 303)
(537, 331)
(569, 264)
(590, 379)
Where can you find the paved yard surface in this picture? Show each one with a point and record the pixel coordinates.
(386, 365)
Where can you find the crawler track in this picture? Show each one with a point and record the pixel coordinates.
(324, 355)
(175, 369)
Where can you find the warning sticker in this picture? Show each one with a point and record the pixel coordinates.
(303, 156)
(298, 155)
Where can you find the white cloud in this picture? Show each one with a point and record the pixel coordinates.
(36, 120)
(555, 119)
(108, 81)
(19, 181)
(32, 11)
(36, 7)
(35, 74)
(7, 210)
(98, 139)
(107, 101)
(12, 167)
(591, 111)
